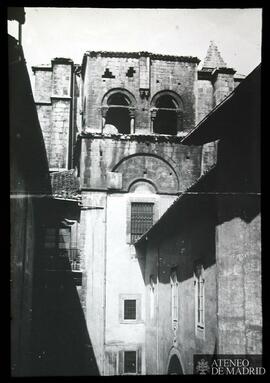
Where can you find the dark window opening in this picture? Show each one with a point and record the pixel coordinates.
(130, 365)
(130, 309)
(130, 72)
(175, 367)
(141, 219)
(108, 74)
(118, 113)
(59, 251)
(166, 121)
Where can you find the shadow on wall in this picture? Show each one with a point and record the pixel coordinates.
(62, 346)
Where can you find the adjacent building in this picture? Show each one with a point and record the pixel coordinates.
(49, 336)
(202, 261)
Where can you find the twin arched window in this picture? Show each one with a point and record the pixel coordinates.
(166, 113)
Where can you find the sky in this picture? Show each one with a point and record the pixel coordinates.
(70, 32)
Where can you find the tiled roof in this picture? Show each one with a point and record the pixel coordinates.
(65, 185)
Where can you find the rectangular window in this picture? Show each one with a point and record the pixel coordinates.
(129, 309)
(174, 298)
(141, 219)
(200, 302)
(199, 299)
(130, 362)
(57, 243)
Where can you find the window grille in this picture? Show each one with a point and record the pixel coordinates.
(141, 219)
(130, 365)
(130, 309)
(57, 242)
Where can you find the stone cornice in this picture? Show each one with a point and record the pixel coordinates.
(153, 56)
(132, 137)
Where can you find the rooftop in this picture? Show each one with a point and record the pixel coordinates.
(154, 56)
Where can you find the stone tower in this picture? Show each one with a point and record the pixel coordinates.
(129, 114)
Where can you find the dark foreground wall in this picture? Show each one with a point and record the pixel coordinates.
(48, 332)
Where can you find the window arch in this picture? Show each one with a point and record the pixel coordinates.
(118, 112)
(167, 113)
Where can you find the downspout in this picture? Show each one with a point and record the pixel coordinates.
(157, 321)
(105, 285)
(71, 114)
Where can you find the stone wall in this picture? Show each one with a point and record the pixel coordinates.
(103, 73)
(170, 166)
(54, 97)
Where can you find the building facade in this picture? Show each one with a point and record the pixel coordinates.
(132, 111)
(203, 257)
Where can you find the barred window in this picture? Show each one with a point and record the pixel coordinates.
(130, 309)
(141, 219)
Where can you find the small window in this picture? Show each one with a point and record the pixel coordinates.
(130, 362)
(174, 298)
(199, 298)
(141, 219)
(129, 309)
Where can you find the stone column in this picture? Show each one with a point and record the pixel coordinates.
(104, 111)
(132, 118)
(179, 126)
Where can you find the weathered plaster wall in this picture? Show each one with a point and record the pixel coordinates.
(239, 280)
(92, 238)
(180, 248)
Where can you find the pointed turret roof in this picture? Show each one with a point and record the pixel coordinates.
(213, 57)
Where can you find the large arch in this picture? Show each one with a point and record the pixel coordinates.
(174, 363)
(151, 168)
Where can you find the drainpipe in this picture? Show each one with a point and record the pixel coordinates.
(20, 33)
(157, 324)
(105, 283)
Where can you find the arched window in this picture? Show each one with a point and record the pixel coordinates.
(166, 114)
(118, 113)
